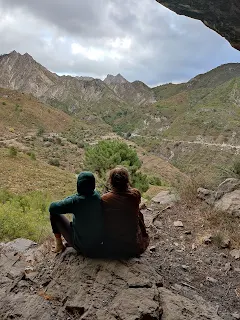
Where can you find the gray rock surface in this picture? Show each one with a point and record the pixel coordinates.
(164, 197)
(230, 203)
(219, 15)
(68, 286)
(227, 186)
(226, 198)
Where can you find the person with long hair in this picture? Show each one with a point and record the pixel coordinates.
(124, 228)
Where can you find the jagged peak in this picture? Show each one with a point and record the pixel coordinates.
(115, 79)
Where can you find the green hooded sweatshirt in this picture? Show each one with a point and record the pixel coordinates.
(87, 224)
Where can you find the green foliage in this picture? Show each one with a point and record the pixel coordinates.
(140, 181)
(4, 103)
(32, 155)
(155, 181)
(236, 167)
(107, 155)
(54, 162)
(18, 108)
(80, 145)
(231, 171)
(13, 152)
(24, 216)
(40, 131)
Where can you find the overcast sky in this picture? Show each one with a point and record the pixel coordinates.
(140, 39)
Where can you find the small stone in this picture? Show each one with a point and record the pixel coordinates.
(236, 315)
(223, 255)
(188, 232)
(29, 269)
(178, 224)
(237, 269)
(207, 240)
(208, 261)
(227, 267)
(176, 244)
(158, 224)
(225, 243)
(210, 279)
(194, 247)
(185, 268)
(235, 254)
(152, 249)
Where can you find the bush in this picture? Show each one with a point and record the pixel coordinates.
(155, 181)
(32, 155)
(80, 145)
(232, 171)
(58, 140)
(40, 131)
(54, 162)
(24, 216)
(4, 103)
(12, 152)
(107, 155)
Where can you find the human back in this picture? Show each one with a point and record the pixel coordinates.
(123, 234)
(85, 232)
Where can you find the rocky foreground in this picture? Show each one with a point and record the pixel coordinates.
(183, 275)
(38, 285)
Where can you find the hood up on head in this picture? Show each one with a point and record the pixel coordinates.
(86, 183)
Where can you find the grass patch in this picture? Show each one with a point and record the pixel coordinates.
(24, 216)
(222, 226)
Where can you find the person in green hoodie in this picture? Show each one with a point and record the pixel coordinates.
(85, 232)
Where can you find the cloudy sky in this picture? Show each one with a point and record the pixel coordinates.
(140, 39)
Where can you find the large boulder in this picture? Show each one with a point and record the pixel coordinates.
(219, 15)
(69, 286)
(164, 198)
(227, 186)
(230, 203)
(226, 198)
(206, 195)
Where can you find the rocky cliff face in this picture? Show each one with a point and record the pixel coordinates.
(135, 92)
(219, 15)
(23, 73)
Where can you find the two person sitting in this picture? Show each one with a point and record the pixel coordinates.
(108, 226)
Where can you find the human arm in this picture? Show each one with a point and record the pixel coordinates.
(62, 206)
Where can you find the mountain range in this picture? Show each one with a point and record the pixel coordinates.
(133, 106)
(203, 112)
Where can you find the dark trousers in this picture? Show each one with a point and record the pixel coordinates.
(61, 225)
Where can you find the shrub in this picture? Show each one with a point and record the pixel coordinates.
(24, 216)
(155, 181)
(4, 103)
(18, 107)
(54, 162)
(40, 131)
(107, 155)
(58, 140)
(232, 171)
(12, 151)
(80, 145)
(32, 155)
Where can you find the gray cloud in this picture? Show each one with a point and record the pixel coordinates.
(137, 38)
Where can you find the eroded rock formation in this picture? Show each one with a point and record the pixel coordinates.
(219, 15)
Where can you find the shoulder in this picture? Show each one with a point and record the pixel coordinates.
(107, 196)
(135, 192)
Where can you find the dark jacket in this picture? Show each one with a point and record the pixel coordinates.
(125, 232)
(87, 223)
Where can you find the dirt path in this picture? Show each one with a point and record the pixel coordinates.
(222, 146)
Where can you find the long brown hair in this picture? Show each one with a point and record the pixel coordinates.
(119, 179)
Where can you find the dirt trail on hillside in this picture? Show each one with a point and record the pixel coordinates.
(222, 146)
